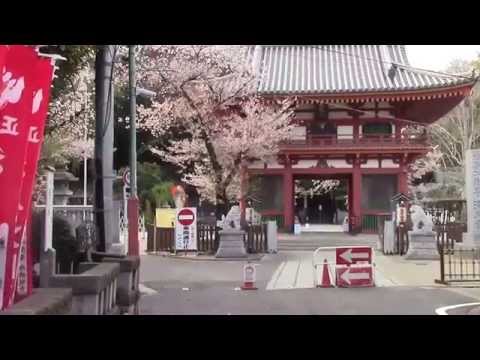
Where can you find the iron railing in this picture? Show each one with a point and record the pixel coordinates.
(208, 239)
(457, 263)
(361, 141)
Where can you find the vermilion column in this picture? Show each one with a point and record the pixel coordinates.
(288, 211)
(403, 178)
(356, 206)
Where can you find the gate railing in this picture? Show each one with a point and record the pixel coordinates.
(208, 239)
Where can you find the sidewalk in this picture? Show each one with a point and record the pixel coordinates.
(397, 271)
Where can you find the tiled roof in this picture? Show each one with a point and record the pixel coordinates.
(343, 69)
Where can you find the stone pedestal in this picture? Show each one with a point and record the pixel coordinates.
(422, 246)
(231, 244)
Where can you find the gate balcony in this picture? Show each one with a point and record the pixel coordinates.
(363, 142)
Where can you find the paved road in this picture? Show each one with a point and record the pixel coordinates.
(204, 287)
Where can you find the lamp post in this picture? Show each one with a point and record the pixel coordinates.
(133, 203)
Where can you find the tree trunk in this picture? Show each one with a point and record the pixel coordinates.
(221, 207)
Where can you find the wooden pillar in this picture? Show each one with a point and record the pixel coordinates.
(356, 195)
(288, 210)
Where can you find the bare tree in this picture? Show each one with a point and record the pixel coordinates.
(459, 130)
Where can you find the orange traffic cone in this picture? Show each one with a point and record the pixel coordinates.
(326, 281)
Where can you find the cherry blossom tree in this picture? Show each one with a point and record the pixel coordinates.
(428, 164)
(315, 187)
(206, 103)
(70, 123)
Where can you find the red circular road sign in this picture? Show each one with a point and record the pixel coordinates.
(186, 217)
(126, 177)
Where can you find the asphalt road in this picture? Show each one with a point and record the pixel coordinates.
(188, 287)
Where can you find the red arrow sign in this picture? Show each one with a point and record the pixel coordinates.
(361, 276)
(353, 255)
(186, 217)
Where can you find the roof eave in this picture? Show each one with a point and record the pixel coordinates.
(392, 95)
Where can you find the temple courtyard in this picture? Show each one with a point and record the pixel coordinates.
(286, 283)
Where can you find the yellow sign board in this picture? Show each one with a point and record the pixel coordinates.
(165, 218)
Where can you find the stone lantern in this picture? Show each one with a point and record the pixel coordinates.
(62, 191)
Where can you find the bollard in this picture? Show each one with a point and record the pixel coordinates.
(249, 277)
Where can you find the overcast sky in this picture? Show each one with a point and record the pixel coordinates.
(438, 57)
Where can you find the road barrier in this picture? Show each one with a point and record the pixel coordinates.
(353, 265)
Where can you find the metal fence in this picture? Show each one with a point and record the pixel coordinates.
(208, 239)
(256, 239)
(457, 264)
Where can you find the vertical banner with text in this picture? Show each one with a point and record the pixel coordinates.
(41, 96)
(16, 97)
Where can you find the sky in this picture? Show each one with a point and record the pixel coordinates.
(438, 57)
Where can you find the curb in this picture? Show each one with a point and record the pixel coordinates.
(207, 257)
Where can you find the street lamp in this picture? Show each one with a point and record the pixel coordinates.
(133, 245)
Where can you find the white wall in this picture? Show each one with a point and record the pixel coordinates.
(345, 132)
(339, 115)
(299, 133)
(371, 164)
(305, 164)
(339, 164)
(389, 164)
(273, 164)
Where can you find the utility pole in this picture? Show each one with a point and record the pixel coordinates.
(133, 245)
(104, 145)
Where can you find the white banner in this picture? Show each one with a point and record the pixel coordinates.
(186, 229)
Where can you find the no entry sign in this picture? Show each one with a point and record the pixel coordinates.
(355, 276)
(353, 255)
(186, 229)
(186, 217)
(126, 178)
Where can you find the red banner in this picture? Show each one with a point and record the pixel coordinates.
(16, 97)
(41, 97)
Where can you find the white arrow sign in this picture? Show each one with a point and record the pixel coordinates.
(348, 255)
(347, 276)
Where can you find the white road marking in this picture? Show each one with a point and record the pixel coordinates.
(146, 290)
(288, 275)
(444, 310)
(271, 284)
(305, 275)
(300, 273)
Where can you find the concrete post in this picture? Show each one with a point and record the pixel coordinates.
(472, 194)
(272, 239)
(104, 175)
